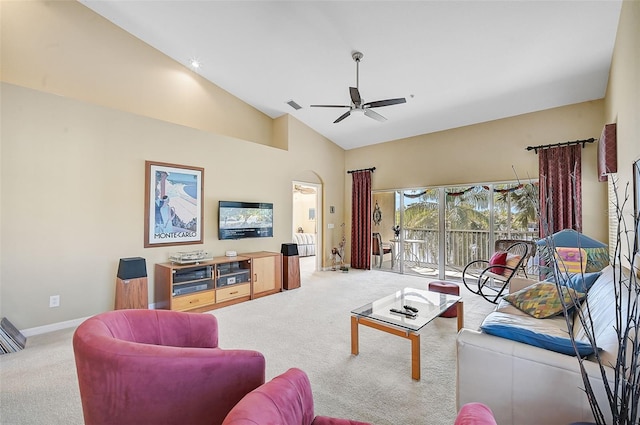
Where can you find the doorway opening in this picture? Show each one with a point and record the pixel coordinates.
(307, 224)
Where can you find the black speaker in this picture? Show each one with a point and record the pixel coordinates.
(132, 268)
(289, 249)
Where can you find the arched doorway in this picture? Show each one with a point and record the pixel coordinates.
(306, 223)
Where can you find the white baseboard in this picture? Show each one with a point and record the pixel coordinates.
(60, 325)
(52, 327)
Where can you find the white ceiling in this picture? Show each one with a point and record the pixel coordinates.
(456, 62)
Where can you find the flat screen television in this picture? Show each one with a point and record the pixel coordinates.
(239, 220)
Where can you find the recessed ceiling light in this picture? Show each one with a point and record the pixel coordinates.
(195, 63)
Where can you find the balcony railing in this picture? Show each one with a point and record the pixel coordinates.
(461, 246)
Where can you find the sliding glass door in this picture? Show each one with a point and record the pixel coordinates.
(467, 212)
(420, 235)
(443, 229)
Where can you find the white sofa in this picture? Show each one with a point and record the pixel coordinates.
(306, 243)
(524, 384)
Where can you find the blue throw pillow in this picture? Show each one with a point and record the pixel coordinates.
(578, 282)
(546, 340)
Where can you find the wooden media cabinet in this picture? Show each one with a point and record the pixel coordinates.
(217, 282)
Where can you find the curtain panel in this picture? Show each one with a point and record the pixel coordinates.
(361, 220)
(560, 189)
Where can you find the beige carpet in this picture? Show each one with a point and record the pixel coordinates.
(307, 328)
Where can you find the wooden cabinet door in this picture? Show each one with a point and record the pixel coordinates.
(264, 274)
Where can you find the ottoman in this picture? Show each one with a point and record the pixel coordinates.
(446, 288)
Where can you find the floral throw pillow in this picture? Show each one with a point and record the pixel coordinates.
(542, 299)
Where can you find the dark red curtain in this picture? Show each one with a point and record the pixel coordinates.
(361, 220)
(560, 189)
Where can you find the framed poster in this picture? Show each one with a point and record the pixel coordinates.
(173, 207)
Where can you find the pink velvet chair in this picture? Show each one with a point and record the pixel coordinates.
(475, 414)
(285, 400)
(159, 367)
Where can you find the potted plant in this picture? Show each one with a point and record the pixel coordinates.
(396, 231)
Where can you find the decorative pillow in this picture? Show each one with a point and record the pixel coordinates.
(512, 262)
(542, 300)
(571, 260)
(498, 259)
(597, 259)
(548, 337)
(580, 282)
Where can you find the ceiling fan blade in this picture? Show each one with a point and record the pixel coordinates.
(355, 96)
(373, 114)
(343, 116)
(330, 106)
(387, 102)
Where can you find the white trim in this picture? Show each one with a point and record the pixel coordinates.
(52, 327)
(60, 325)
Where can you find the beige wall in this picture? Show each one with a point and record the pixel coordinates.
(73, 197)
(82, 109)
(490, 152)
(622, 104)
(65, 48)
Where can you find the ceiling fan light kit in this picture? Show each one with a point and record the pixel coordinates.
(357, 104)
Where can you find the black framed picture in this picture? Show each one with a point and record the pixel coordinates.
(174, 204)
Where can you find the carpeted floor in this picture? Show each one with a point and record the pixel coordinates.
(309, 328)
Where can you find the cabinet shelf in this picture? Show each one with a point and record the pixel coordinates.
(241, 271)
(186, 282)
(218, 282)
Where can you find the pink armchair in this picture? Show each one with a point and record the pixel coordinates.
(475, 414)
(159, 367)
(285, 400)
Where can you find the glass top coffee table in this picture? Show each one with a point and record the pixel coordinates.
(403, 314)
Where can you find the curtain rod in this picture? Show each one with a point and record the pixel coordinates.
(575, 142)
(372, 169)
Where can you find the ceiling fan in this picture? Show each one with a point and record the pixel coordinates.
(357, 104)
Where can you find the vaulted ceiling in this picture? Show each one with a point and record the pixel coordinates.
(455, 62)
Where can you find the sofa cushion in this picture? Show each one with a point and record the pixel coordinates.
(550, 334)
(601, 300)
(542, 300)
(498, 259)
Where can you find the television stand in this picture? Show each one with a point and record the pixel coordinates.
(217, 282)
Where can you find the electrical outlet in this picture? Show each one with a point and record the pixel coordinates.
(54, 301)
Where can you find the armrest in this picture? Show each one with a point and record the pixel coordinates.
(523, 384)
(157, 327)
(517, 283)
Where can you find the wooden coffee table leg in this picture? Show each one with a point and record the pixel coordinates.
(415, 355)
(354, 336)
(460, 305)
(413, 337)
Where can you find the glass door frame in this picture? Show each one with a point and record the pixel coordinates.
(399, 218)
